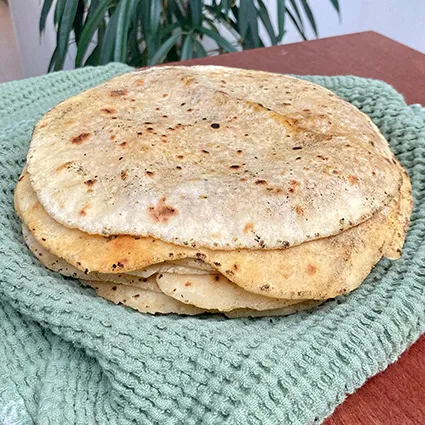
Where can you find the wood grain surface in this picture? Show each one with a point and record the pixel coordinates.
(397, 395)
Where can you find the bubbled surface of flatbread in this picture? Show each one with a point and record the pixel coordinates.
(212, 157)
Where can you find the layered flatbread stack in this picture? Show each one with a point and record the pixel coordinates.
(209, 189)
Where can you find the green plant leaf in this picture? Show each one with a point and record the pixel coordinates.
(53, 60)
(187, 49)
(155, 20)
(93, 58)
(217, 38)
(281, 9)
(196, 12)
(44, 13)
(92, 25)
(335, 4)
(310, 16)
(199, 49)
(60, 6)
(265, 19)
(162, 52)
(124, 11)
(107, 48)
(298, 13)
(78, 20)
(174, 7)
(299, 29)
(64, 30)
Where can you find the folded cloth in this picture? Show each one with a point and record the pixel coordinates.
(67, 356)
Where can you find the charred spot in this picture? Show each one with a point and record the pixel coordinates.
(229, 272)
(118, 93)
(311, 270)
(165, 95)
(86, 271)
(239, 152)
(157, 109)
(90, 183)
(162, 212)
(205, 151)
(136, 296)
(124, 174)
(179, 156)
(150, 173)
(200, 255)
(123, 144)
(165, 116)
(110, 238)
(260, 182)
(296, 148)
(108, 110)
(265, 287)
(150, 129)
(235, 167)
(336, 172)
(139, 133)
(189, 110)
(114, 288)
(43, 239)
(373, 173)
(120, 158)
(178, 167)
(77, 140)
(21, 178)
(120, 265)
(324, 158)
(215, 125)
(372, 143)
(235, 267)
(217, 264)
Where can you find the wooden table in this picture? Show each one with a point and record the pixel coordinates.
(397, 395)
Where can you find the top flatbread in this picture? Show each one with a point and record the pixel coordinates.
(209, 156)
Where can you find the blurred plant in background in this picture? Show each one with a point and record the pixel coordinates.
(147, 32)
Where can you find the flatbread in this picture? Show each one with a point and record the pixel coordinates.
(56, 264)
(215, 292)
(141, 300)
(314, 270)
(153, 303)
(212, 157)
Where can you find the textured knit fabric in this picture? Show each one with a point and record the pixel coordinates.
(67, 356)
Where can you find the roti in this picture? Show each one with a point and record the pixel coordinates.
(318, 269)
(153, 303)
(211, 157)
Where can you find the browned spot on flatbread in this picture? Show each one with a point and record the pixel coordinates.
(77, 140)
(63, 166)
(124, 174)
(162, 212)
(311, 270)
(108, 110)
(140, 82)
(249, 227)
(299, 210)
(353, 180)
(260, 182)
(187, 284)
(90, 183)
(83, 211)
(123, 144)
(118, 93)
(21, 178)
(150, 173)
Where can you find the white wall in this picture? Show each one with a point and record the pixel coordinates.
(403, 21)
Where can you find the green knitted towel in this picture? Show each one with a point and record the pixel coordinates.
(69, 357)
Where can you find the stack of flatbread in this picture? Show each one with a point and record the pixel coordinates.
(209, 189)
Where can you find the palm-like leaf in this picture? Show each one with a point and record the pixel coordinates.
(146, 32)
